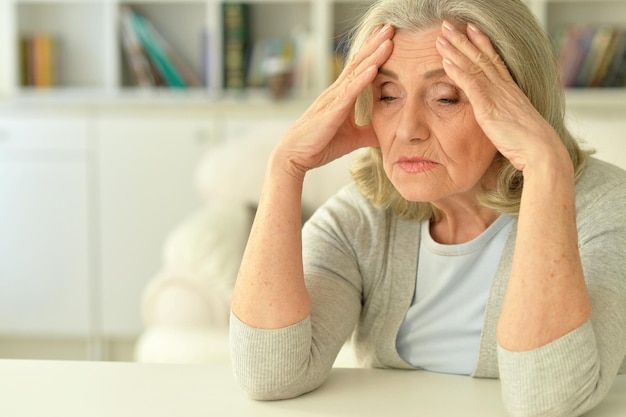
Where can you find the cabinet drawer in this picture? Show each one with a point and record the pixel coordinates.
(43, 133)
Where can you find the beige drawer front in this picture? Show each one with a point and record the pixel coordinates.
(48, 132)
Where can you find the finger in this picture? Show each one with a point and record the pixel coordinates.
(467, 75)
(374, 52)
(471, 58)
(361, 70)
(381, 34)
(483, 43)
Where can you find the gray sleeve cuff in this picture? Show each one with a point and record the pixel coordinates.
(555, 379)
(257, 353)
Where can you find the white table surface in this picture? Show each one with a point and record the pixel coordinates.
(30, 388)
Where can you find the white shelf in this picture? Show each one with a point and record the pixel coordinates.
(92, 62)
(91, 55)
(602, 100)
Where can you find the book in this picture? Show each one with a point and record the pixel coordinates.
(236, 44)
(133, 50)
(598, 43)
(43, 55)
(599, 71)
(175, 59)
(24, 50)
(205, 61)
(158, 57)
(570, 55)
(269, 57)
(614, 76)
(38, 60)
(585, 56)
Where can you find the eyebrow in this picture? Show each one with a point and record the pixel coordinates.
(427, 75)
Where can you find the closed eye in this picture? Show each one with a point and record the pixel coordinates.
(386, 99)
(445, 100)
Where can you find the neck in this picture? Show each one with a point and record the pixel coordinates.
(461, 223)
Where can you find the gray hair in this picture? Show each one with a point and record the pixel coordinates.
(527, 52)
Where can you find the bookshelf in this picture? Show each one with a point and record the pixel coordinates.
(92, 62)
(557, 15)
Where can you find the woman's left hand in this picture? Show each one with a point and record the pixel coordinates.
(546, 295)
(502, 110)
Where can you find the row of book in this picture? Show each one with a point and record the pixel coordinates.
(276, 64)
(39, 58)
(591, 55)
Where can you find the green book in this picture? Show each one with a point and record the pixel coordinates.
(159, 58)
(236, 41)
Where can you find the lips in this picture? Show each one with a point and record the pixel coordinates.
(416, 165)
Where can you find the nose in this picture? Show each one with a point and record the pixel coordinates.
(413, 122)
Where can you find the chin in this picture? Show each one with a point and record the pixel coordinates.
(419, 196)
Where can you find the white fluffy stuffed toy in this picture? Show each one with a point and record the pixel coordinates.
(186, 306)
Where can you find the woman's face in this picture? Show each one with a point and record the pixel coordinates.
(433, 149)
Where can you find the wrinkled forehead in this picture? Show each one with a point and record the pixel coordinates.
(415, 49)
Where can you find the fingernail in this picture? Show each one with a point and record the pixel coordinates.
(472, 27)
(442, 41)
(385, 28)
(447, 25)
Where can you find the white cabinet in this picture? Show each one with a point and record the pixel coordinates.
(146, 164)
(45, 283)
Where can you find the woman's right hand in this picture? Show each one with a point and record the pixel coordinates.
(270, 292)
(328, 130)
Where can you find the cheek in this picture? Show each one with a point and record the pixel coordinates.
(382, 131)
(467, 139)
(474, 157)
(383, 134)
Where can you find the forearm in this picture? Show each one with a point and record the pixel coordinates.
(270, 292)
(546, 295)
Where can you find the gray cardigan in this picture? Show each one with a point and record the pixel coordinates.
(360, 267)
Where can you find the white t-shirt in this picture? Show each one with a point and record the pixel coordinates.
(441, 331)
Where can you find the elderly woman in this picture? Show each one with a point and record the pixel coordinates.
(477, 238)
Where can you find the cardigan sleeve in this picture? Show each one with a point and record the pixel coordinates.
(572, 374)
(285, 363)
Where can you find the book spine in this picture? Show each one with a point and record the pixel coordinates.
(614, 76)
(25, 61)
(205, 58)
(605, 55)
(235, 44)
(135, 55)
(585, 53)
(34, 61)
(45, 46)
(569, 56)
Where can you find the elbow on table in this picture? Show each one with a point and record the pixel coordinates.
(576, 405)
(273, 391)
(560, 411)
